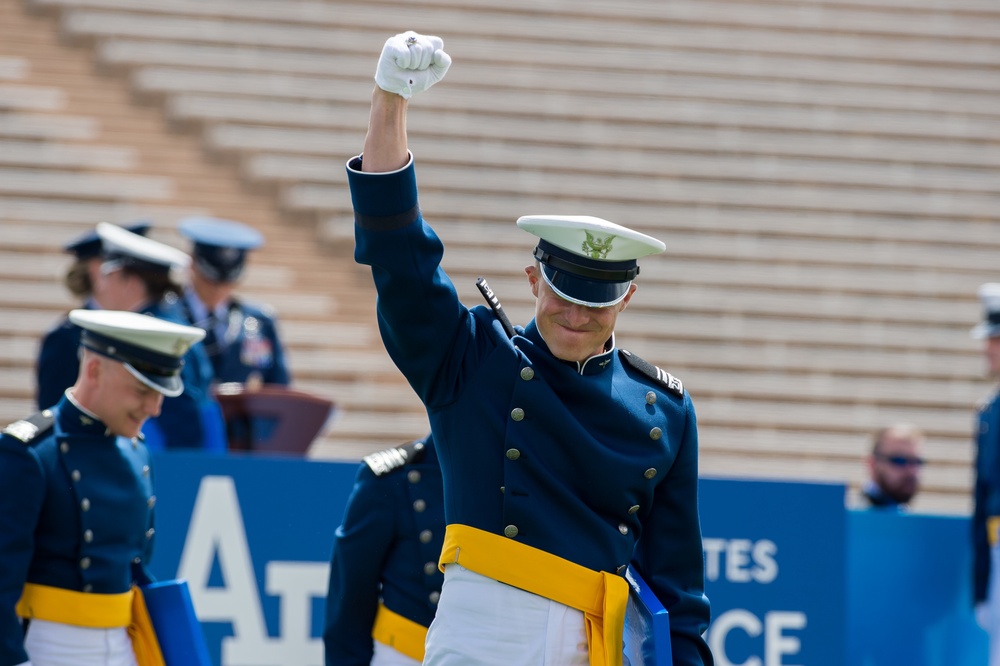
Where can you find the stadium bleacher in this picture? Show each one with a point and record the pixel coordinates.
(824, 174)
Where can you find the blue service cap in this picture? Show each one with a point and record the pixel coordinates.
(989, 297)
(220, 246)
(88, 245)
(151, 349)
(588, 260)
(124, 249)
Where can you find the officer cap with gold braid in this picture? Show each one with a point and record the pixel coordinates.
(587, 260)
(151, 349)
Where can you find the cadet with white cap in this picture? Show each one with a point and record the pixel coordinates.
(142, 275)
(242, 339)
(76, 511)
(565, 458)
(57, 363)
(986, 514)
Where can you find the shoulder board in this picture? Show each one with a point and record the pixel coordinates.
(31, 428)
(385, 461)
(662, 377)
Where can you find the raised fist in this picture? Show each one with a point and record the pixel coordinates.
(411, 63)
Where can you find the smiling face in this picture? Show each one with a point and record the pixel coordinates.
(115, 396)
(572, 332)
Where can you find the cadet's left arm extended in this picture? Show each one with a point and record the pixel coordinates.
(669, 553)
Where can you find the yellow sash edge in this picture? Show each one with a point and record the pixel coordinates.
(400, 633)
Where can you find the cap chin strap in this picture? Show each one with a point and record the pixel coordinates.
(577, 301)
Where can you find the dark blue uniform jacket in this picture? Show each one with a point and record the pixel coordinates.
(987, 491)
(76, 512)
(596, 463)
(387, 547)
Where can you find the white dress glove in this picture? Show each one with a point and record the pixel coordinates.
(984, 615)
(411, 63)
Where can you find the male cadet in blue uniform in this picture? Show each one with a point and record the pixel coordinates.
(57, 364)
(137, 275)
(76, 511)
(241, 339)
(384, 580)
(986, 513)
(564, 457)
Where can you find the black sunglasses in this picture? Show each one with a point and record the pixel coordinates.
(902, 461)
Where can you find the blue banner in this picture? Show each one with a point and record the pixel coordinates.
(794, 579)
(774, 568)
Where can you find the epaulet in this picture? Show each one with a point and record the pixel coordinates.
(662, 377)
(385, 461)
(31, 428)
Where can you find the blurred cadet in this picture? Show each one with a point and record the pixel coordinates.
(241, 339)
(76, 511)
(384, 580)
(894, 467)
(57, 364)
(137, 274)
(565, 458)
(986, 512)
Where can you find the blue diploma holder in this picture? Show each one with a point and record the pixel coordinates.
(176, 624)
(647, 625)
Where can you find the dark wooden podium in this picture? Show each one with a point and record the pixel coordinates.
(271, 418)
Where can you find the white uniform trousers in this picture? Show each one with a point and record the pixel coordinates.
(387, 656)
(481, 621)
(56, 644)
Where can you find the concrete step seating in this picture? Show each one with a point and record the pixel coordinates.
(824, 176)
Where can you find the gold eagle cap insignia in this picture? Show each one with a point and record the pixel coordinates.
(597, 247)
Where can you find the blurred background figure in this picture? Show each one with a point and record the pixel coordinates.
(894, 467)
(58, 362)
(986, 511)
(140, 274)
(241, 339)
(384, 578)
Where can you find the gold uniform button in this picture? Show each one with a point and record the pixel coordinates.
(419, 506)
(85, 504)
(64, 447)
(502, 489)
(135, 443)
(510, 531)
(136, 560)
(430, 568)
(433, 597)
(650, 473)
(426, 536)
(88, 588)
(151, 502)
(633, 509)
(513, 454)
(85, 563)
(150, 532)
(623, 528)
(527, 374)
(75, 475)
(88, 535)
(517, 414)
(655, 433)
(145, 470)
(650, 398)
(413, 476)
(46, 413)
